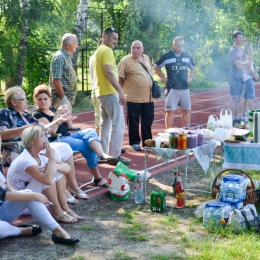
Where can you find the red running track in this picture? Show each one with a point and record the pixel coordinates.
(203, 104)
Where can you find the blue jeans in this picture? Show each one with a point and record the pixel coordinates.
(10, 210)
(80, 141)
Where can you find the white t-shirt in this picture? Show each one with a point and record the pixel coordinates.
(16, 174)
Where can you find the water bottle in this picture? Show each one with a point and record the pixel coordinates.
(138, 189)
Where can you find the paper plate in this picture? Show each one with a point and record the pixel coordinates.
(239, 132)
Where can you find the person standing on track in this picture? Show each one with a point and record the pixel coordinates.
(135, 72)
(176, 62)
(110, 95)
(249, 76)
(237, 60)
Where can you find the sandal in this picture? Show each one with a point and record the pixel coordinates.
(97, 181)
(83, 196)
(36, 230)
(68, 241)
(104, 158)
(72, 200)
(59, 216)
(74, 215)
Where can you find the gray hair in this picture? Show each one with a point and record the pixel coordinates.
(67, 38)
(30, 133)
(177, 39)
(11, 94)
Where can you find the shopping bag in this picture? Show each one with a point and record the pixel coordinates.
(245, 218)
(226, 118)
(118, 181)
(213, 120)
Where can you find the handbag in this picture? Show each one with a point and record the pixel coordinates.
(245, 218)
(156, 90)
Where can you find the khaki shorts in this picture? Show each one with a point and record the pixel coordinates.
(177, 96)
(59, 102)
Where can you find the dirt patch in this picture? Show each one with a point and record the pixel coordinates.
(121, 230)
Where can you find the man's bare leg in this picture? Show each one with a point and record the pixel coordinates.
(234, 106)
(185, 117)
(169, 116)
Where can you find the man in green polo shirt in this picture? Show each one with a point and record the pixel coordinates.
(110, 95)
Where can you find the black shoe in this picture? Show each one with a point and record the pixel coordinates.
(123, 160)
(123, 150)
(68, 241)
(36, 229)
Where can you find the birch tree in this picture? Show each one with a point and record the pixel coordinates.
(22, 49)
(80, 26)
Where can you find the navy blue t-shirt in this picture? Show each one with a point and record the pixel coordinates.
(176, 66)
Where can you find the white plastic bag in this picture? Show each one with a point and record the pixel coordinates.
(226, 120)
(220, 134)
(213, 119)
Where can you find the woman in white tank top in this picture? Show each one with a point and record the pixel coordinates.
(249, 76)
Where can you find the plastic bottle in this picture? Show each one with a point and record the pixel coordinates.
(179, 190)
(138, 189)
(211, 127)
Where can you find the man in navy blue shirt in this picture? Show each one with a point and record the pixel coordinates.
(176, 62)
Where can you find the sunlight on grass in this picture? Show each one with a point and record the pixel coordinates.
(134, 232)
(239, 247)
(129, 215)
(169, 221)
(166, 257)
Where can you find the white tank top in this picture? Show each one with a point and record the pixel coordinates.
(246, 72)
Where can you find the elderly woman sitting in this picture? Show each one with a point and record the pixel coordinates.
(15, 119)
(86, 141)
(42, 173)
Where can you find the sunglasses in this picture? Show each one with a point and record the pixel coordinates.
(180, 46)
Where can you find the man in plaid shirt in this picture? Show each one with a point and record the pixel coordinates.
(63, 78)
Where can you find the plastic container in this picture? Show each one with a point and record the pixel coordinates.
(173, 140)
(214, 212)
(138, 189)
(182, 141)
(200, 139)
(192, 140)
(233, 188)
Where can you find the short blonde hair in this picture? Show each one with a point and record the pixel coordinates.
(30, 133)
(11, 94)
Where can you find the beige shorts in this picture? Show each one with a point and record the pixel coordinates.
(177, 97)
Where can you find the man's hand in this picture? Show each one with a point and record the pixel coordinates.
(122, 98)
(189, 79)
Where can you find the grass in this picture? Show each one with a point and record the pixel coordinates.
(122, 255)
(87, 228)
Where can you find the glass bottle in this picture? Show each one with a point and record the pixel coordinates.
(182, 141)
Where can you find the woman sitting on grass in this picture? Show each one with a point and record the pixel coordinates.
(86, 141)
(42, 173)
(13, 203)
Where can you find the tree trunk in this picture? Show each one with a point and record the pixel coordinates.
(22, 49)
(79, 27)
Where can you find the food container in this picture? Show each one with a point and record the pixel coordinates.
(200, 139)
(182, 141)
(192, 140)
(173, 140)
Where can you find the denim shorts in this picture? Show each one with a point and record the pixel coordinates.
(236, 87)
(249, 92)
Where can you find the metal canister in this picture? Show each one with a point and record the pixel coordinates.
(173, 140)
(158, 201)
(182, 141)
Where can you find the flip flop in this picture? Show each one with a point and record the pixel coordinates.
(105, 184)
(36, 229)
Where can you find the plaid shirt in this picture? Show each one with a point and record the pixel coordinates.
(62, 68)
